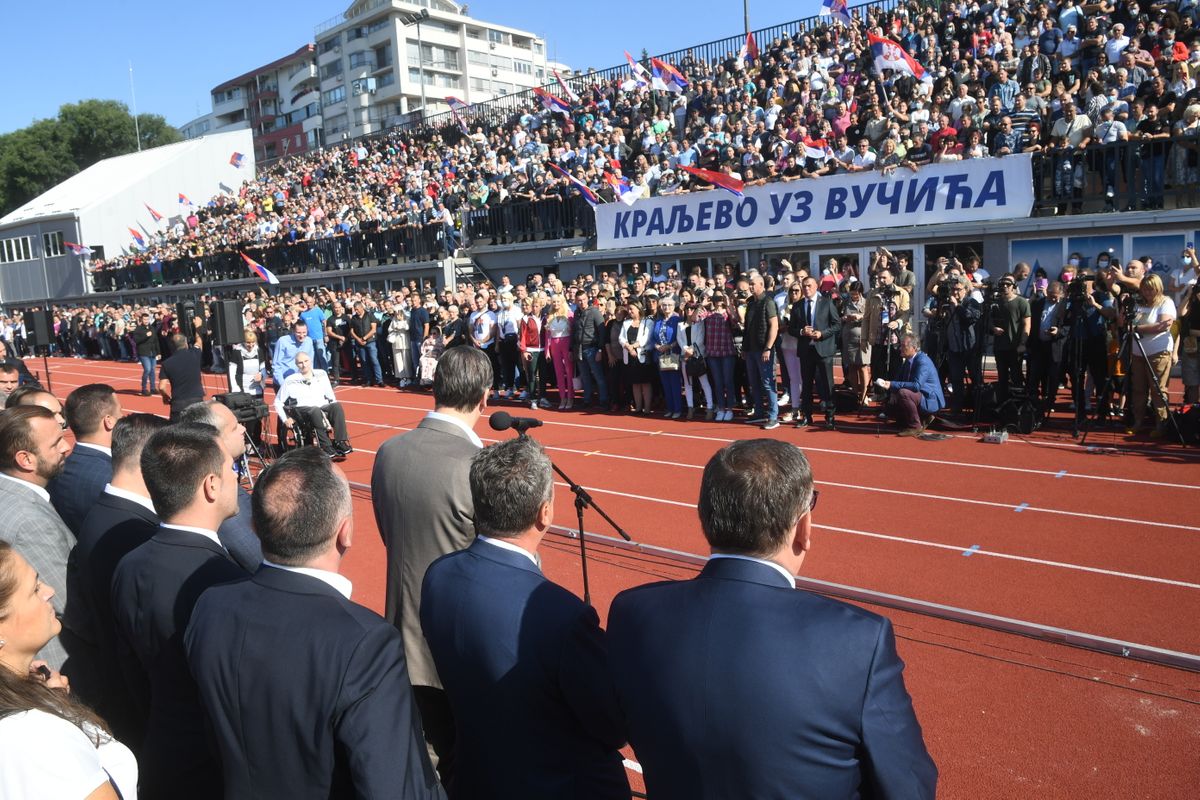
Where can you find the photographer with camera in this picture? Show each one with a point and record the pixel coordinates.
(961, 333)
(885, 321)
(1085, 317)
(1009, 319)
(1045, 349)
(1150, 317)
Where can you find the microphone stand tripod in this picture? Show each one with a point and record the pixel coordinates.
(582, 500)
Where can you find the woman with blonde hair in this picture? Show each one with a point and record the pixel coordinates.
(558, 345)
(1151, 358)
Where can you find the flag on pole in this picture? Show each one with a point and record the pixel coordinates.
(183, 200)
(154, 215)
(78, 249)
(836, 9)
(551, 102)
(626, 193)
(817, 149)
(236, 160)
(726, 182)
(640, 79)
(259, 270)
(567, 90)
(583, 188)
(889, 55)
(137, 237)
(666, 77)
(750, 48)
(457, 107)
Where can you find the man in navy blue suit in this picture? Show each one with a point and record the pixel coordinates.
(916, 391)
(522, 660)
(92, 411)
(307, 691)
(736, 684)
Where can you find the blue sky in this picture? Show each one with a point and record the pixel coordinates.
(62, 52)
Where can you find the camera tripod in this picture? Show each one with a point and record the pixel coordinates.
(1130, 337)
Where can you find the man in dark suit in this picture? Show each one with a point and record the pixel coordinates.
(180, 383)
(422, 497)
(816, 323)
(32, 452)
(917, 390)
(522, 659)
(154, 590)
(91, 412)
(307, 691)
(698, 663)
(235, 533)
(122, 519)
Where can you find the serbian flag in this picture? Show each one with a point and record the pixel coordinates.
(78, 249)
(750, 48)
(889, 55)
(666, 77)
(836, 9)
(259, 270)
(727, 182)
(583, 188)
(625, 193)
(640, 78)
(457, 107)
(154, 215)
(183, 200)
(567, 90)
(551, 102)
(137, 237)
(236, 160)
(817, 149)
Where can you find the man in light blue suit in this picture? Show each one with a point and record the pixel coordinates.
(916, 391)
(736, 684)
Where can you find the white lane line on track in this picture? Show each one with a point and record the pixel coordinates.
(1118, 449)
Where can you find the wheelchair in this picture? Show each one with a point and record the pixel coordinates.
(301, 434)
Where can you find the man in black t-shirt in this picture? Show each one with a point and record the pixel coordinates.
(180, 383)
(1010, 321)
(1153, 131)
(760, 329)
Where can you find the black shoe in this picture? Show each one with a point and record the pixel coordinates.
(755, 420)
(342, 447)
(803, 422)
(830, 424)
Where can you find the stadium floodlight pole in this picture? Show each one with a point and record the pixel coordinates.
(133, 96)
(746, 16)
(416, 18)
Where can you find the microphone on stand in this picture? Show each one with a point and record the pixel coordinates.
(502, 421)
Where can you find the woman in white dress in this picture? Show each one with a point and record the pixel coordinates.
(399, 339)
(50, 746)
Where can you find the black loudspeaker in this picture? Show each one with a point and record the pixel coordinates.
(185, 315)
(227, 326)
(39, 326)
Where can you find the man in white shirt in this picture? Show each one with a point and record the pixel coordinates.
(864, 158)
(309, 396)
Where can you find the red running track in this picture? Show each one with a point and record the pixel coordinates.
(1101, 539)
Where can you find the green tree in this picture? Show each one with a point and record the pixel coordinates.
(49, 151)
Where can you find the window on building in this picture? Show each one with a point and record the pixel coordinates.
(500, 62)
(328, 44)
(474, 33)
(383, 55)
(332, 69)
(378, 25)
(495, 36)
(523, 67)
(333, 96)
(52, 244)
(539, 48)
(386, 79)
(363, 58)
(15, 249)
(336, 125)
(481, 85)
(477, 58)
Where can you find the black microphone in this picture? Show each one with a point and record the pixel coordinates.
(502, 421)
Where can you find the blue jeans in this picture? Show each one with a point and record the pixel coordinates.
(369, 357)
(720, 371)
(148, 373)
(321, 355)
(414, 346)
(1153, 173)
(591, 372)
(672, 384)
(761, 375)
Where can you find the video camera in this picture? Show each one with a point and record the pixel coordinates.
(246, 408)
(1078, 289)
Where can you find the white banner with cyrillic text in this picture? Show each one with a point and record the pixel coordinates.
(959, 191)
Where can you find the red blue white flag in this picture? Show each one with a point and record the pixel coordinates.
(626, 193)
(640, 79)
(726, 182)
(183, 200)
(583, 188)
(154, 215)
(552, 103)
(566, 89)
(259, 270)
(137, 237)
(889, 55)
(78, 249)
(457, 108)
(836, 9)
(666, 77)
(750, 48)
(236, 160)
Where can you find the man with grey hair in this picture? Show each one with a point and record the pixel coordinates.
(421, 493)
(691, 658)
(522, 660)
(295, 674)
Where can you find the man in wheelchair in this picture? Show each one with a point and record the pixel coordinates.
(306, 399)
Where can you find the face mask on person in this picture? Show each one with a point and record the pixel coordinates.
(1074, 262)
(1102, 263)
(1187, 261)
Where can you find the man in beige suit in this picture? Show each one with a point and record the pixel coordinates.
(422, 495)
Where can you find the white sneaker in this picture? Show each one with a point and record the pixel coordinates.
(533, 406)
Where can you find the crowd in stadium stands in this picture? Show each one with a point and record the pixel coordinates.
(690, 344)
(1106, 91)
